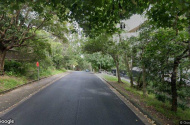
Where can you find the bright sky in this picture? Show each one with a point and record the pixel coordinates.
(134, 21)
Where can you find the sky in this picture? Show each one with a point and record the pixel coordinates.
(134, 21)
(131, 23)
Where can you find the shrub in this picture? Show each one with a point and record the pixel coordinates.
(160, 97)
(14, 68)
(183, 106)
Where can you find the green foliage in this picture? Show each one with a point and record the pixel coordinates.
(96, 16)
(161, 97)
(160, 53)
(110, 78)
(20, 20)
(44, 49)
(164, 13)
(14, 68)
(164, 108)
(163, 38)
(50, 71)
(101, 43)
(57, 28)
(98, 60)
(57, 54)
(11, 82)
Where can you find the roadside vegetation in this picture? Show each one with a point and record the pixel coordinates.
(12, 80)
(78, 35)
(9, 82)
(152, 104)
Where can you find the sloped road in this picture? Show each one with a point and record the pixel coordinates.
(79, 98)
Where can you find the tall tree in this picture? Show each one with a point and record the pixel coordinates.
(144, 39)
(19, 21)
(105, 44)
(128, 49)
(172, 14)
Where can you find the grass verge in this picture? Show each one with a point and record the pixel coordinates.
(151, 102)
(11, 81)
(113, 79)
(50, 72)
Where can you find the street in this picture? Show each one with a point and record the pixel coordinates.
(79, 98)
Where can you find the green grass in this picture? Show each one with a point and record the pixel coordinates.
(7, 82)
(150, 100)
(50, 72)
(133, 90)
(165, 109)
(113, 79)
(110, 78)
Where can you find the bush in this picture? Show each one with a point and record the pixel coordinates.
(184, 93)
(9, 73)
(14, 68)
(150, 88)
(183, 106)
(160, 97)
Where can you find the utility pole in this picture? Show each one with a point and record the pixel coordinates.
(38, 66)
(100, 67)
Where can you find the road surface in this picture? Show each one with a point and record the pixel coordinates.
(79, 98)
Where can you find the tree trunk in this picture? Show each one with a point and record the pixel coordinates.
(173, 86)
(144, 80)
(139, 83)
(189, 42)
(180, 75)
(129, 70)
(2, 61)
(188, 17)
(118, 73)
(116, 60)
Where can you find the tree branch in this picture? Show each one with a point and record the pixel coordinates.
(17, 15)
(185, 41)
(2, 17)
(26, 16)
(185, 56)
(40, 25)
(28, 37)
(181, 56)
(5, 30)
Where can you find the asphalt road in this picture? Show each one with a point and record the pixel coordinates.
(79, 98)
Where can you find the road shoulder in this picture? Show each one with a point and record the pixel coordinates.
(143, 117)
(15, 97)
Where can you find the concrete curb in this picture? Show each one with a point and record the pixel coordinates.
(135, 104)
(32, 94)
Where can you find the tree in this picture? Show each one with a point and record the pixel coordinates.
(144, 39)
(19, 22)
(97, 16)
(129, 52)
(104, 43)
(165, 53)
(172, 14)
(100, 61)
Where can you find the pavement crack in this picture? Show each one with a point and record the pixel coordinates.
(77, 113)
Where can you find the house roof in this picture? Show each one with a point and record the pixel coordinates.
(135, 29)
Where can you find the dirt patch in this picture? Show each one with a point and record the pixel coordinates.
(141, 102)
